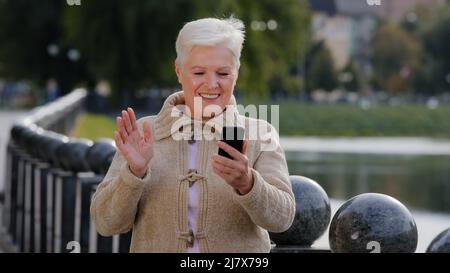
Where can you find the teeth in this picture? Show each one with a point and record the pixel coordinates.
(209, 96)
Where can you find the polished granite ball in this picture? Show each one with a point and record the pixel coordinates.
(312, 214)
(373, 222)
(440, 244)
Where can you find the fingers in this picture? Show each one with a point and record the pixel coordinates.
(231, 151)
(127, 122)
(132, 118)
(233, 169)
(121, 129)
(225, 176)
(226, 162)
(119, 143)
(223, 168)
(147, 132)
(117, 139)
(245, 146)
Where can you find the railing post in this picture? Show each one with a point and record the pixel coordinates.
(71, 157)
(86, 184)
(19, 228)
(10, 187)
(41, 173)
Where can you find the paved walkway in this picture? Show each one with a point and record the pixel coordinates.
(368, 145)
(7, 119)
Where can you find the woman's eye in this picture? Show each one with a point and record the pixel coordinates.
(223, 74)
(199, 73)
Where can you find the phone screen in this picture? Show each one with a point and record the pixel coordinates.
(233, 136)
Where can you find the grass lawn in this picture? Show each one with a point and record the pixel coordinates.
(300, 119)
(352, 120)
(94, 126)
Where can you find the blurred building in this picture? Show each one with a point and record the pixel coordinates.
(397, 10)
(347, 26)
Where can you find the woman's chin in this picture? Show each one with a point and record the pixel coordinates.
(207, 101)
(212, 104)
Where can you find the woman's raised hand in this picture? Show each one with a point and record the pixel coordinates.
(136, 148)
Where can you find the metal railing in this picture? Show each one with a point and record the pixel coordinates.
(50, 179)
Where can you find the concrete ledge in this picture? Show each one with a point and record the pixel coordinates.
(299, 249)
(368, 145)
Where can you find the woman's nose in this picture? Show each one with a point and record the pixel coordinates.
(212, 81)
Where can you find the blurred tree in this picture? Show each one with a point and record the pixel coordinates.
(277, 35)
(436, 40)
(27, 31)
(350, 77)
(129, 43)
(430, 25)
(396, 58)
(320, 71)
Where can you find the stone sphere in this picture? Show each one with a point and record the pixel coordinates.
(26, 135)
(16, 132)
(312, 214)
(49, 143)
(99, 155)
(373, 222)
(32, 142)
(440, 244)
(74, 154)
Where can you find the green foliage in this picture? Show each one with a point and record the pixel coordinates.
(130, 44)
(421, 44)
(320, 71)
(135, 41)
(436, 40)
(26, 30)
(353, 83)
(268, 56)
(396, 56)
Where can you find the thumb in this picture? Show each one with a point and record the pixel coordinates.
(245, 146)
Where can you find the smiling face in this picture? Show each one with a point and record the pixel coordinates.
(208, 74)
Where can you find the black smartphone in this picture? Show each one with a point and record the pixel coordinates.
(233, 136)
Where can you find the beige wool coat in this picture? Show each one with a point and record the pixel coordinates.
(156, 206)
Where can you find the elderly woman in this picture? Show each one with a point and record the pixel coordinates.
(167, 182)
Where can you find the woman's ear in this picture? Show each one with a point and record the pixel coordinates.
(178, 70)
(236, 75)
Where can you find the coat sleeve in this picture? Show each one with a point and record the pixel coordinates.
(115, 202)
(270, 203)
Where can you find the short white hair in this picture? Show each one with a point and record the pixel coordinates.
(211, 32)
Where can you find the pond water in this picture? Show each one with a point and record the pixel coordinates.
(418, 181)
(414, 171)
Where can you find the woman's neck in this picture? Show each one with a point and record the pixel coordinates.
(203, 119)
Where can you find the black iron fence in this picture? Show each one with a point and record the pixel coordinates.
(50, 179)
